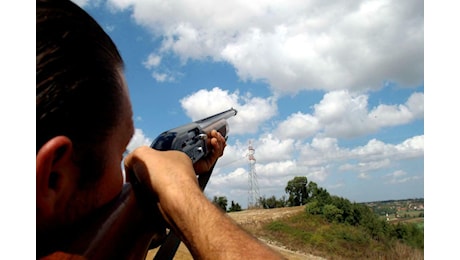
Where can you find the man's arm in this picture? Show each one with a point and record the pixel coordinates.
(210, 234)
(207, 231)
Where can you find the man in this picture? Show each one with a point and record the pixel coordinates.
(84, 123)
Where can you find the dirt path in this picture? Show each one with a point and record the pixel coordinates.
(252, 219)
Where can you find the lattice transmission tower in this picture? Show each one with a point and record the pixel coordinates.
(252, 179)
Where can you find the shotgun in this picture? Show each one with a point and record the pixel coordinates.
(191, 139)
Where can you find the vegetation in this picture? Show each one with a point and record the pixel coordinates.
(316, 235)
(333, 226)
(221, 202)
(234, 207)
(297, 190)
(272, 202)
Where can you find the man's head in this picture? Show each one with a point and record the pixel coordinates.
(83, 114)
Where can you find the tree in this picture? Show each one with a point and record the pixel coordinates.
(314, 208)
(221, 202)
(282, 202)
(346, 207)
(297, 191)
(272, 202)
(322, 196)
(262, 201)
(234, 207)
(332, 213)
(312, 189)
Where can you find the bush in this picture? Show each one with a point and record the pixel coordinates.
(313, 208)
(332, 213)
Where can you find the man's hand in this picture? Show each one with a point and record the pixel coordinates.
(217, 145)
(168, 176)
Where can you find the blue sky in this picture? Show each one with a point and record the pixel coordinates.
(331, 91)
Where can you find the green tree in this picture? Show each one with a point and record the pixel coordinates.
(221, 202)
(346, 207)
(409, 233)
(297, 191)
(282, 202)
(314, 208)
(262, 202)
(312, 189)
(234, 207)
(332, 213)
(322, 196)
(272, 202)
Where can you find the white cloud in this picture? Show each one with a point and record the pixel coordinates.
(415, 104)
(389, 115)
(252, 111)
(271, 148)
(110, 28)
(298, 126)
(81, 3)
(399, 177)
(366, 166)
(321, 152)
(234, 156)
(343, 114)
(138, 139)
(84, 3)
(162, 77)
(377, 150)
(363, 175)
(412, 147)
(152, 61)
(375, 155)
(204, 102)
(295, 45)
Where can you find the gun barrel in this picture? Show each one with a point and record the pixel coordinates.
(210, 122)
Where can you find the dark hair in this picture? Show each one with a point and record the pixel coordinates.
(78, 81)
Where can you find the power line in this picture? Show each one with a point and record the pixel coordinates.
(234, 161)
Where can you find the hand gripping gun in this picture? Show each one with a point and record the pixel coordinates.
(191, 139)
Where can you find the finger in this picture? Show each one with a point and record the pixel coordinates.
(219, 147)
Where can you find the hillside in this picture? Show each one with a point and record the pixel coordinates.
(251, 220)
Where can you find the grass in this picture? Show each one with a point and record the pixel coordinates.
(314, 235)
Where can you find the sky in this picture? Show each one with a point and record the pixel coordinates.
(333, 91)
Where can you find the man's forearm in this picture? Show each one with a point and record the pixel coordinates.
(214, 235)
(207, 231)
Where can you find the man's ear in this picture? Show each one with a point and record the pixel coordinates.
(55, 176)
